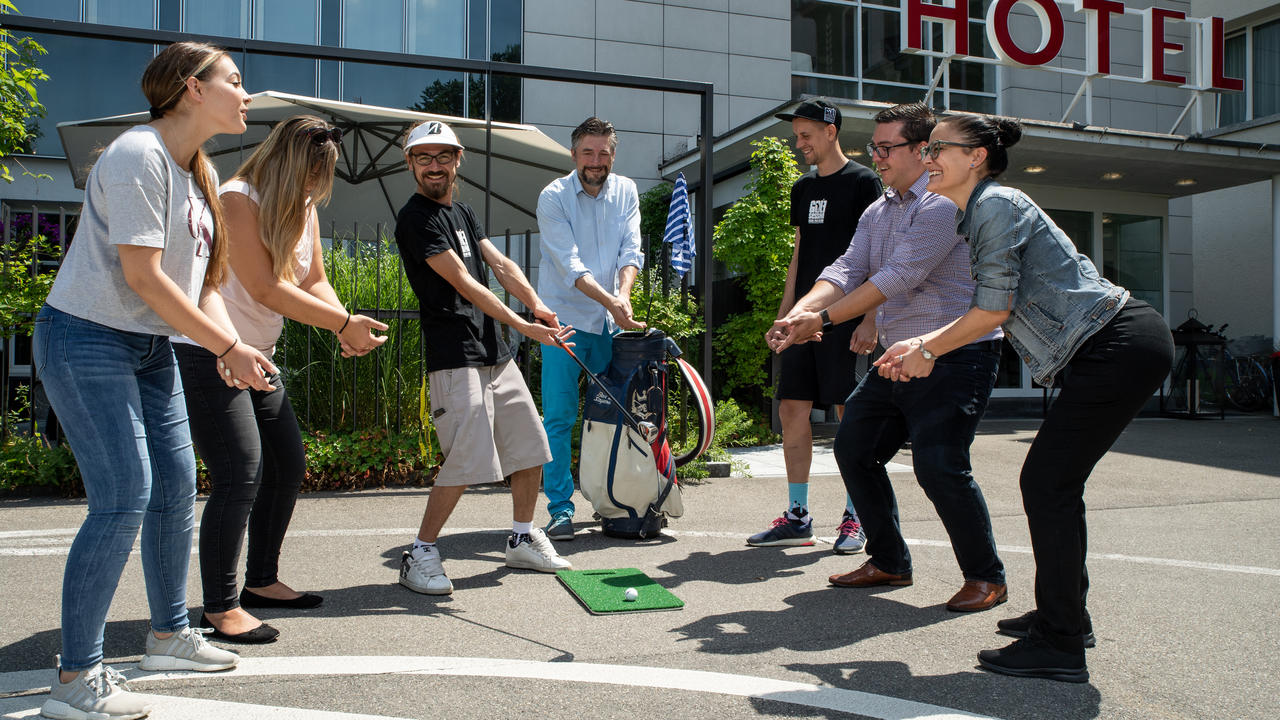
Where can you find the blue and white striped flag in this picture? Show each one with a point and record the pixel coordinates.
(679, 229)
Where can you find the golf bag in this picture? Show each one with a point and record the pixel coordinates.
(632, 483)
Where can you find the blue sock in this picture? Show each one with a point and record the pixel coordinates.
(848, 506)
(798, 494)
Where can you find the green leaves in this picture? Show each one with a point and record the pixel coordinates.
(755, 239)
(19, 101)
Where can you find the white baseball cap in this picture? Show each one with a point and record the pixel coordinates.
(432, 133)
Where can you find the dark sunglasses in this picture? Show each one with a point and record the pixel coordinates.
(932, 149)
(320, 135)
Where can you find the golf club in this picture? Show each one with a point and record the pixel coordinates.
(648, 431)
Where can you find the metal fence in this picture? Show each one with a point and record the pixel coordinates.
(382, 390)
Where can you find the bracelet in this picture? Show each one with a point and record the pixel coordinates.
(233, 344)
(344, 325)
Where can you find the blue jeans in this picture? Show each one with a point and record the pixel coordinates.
(560, 410)
(940, 415)
(119, 399)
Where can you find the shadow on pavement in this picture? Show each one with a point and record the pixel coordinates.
(122, 639)
(845, 618)
(978, 692)
(738, 567)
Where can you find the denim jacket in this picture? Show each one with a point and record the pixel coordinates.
(1024, 264)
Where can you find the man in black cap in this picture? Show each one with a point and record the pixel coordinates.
(826, 203)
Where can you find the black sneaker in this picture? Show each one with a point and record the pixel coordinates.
(1020, 627)
(1033, 658)
(560, 528)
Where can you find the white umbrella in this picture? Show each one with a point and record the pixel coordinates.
(372, 181)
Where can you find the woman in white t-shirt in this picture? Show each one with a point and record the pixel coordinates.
(145, 264)
(248, 438)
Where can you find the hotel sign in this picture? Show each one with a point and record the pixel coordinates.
(1207, 33)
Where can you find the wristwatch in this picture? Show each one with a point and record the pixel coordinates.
(925, 353)
(826, 321)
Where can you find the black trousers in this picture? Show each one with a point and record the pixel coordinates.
(251, 443)
(1109, 379)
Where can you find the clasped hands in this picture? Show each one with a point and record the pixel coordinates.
(802, 326)
(903, 362)
(357, 338)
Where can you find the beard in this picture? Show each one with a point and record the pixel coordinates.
(593, 178)
(437, 189)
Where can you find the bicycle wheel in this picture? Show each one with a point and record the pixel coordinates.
(1248, 387)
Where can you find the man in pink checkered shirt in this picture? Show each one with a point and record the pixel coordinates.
(907, 264)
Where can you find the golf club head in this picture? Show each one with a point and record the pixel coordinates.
(648, 431)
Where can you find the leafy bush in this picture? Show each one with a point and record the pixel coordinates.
(346, 461)
(27, 460)
(756, 240)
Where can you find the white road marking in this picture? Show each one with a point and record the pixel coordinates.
(809, 695)
(31, 537)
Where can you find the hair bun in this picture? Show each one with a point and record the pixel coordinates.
(1008, 131)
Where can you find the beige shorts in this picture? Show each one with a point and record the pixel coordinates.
(487, 424)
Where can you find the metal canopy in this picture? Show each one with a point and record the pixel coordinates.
(1072, 156)
(372, 182)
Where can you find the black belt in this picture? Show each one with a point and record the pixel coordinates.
(988, 345)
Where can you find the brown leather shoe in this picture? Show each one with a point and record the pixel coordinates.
(977, 595)
(869, 576)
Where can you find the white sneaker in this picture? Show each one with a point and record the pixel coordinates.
(422, 572)
(535, 553)
(186, 650)
(99, 693)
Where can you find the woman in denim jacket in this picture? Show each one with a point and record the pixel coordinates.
(1106, 350)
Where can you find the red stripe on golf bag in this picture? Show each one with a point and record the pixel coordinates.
(705, 409)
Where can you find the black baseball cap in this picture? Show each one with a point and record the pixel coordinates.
(817, 110)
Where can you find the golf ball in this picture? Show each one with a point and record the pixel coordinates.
(630, 595)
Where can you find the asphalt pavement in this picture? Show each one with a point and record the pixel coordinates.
(1185, 569)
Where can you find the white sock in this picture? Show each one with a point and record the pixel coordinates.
(519, 528)
(426, 547)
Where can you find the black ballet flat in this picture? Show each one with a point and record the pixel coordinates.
(253, 600)
(260, 635)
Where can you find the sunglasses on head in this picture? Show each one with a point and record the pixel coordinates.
(320, 135)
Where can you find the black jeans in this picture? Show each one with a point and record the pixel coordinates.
(252, 446)
(940, 415)
(1109, 379)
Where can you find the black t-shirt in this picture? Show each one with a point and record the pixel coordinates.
(455, 333)
(826, 210)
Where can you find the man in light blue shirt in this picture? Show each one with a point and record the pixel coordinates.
(589, 223)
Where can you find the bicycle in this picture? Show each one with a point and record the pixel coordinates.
(1247, 381)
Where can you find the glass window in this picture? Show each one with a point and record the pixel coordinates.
(803, 85)
(881, 56)
(1266, 69)
(293, 21)
(961, 102)
(284, 74)
(128, 13)
(227, 18)
(894, 94)
(477, 37)
(1133, 255)
(87, 79)
(1233, 106)
(408, 88)
(374, 25)
(506, 31)
(53, 9)
(437, 27)
(823, 38)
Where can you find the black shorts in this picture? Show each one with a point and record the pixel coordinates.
(824, 373)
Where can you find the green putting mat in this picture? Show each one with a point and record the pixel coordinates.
(602, 591)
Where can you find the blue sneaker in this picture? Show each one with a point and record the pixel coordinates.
(561, 527)
(850, 539)
(786, 530)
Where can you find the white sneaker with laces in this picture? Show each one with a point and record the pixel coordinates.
(535, 553)
(99, 693)
(186, 650)
(422, 572)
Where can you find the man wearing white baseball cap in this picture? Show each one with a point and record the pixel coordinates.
(481, 408)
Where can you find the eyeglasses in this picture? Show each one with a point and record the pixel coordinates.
(932, 149)
(424, 159)
(200, 232)
(320, 135)
(882, 151)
